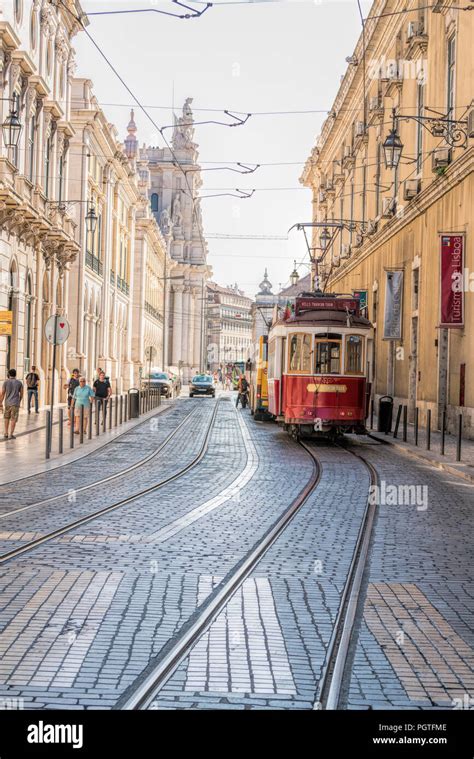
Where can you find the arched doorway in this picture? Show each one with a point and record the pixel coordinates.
(28, 324)
(13, 307)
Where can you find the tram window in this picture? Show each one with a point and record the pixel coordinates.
(300, 353)
(354, 354)
(328, 357)
(271, 359)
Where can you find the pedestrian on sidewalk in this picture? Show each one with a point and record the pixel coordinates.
(32, 382)
(12, 393)
(103, 391)
(242, 391)
(81, 399)
(70, 387)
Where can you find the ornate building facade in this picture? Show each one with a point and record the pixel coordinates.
(229, 326)
(390, 224)
(174, 187)
(37, 232)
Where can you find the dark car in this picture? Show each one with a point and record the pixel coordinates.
(202, 384)
(162, 381)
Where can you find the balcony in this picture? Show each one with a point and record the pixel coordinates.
(94, 263)
(152, 311)
(123, 286)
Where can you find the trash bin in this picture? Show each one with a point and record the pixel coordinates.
(133, 403)
(384, 420)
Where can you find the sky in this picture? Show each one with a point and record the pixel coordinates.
(260, 57)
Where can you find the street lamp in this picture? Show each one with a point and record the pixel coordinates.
(11, 129)
(392, 148)
(294, 276)
(325, 238)
(91, 220)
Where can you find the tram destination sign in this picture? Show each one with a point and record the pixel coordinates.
(327, 304)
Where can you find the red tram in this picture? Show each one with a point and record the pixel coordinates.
(317, 364)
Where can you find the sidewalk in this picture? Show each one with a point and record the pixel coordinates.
(25, 456)
(463, 468)
(28, 423)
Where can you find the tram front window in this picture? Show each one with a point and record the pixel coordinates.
(300, 353)
(328, 357)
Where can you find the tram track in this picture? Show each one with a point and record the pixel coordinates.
(110, 478)
(331, 682)
(141, 694)
(30, 545)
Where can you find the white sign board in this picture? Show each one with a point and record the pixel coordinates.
(61, 325)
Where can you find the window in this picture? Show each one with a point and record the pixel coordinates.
(18, 10)
(416, 288)
(33, 30)
(451, 74)
(378, 178)
(328, 356)
(300, 353)
(364, 190)
(352, 211)
(419, 127)
(154, 203)
(47, 165)
(31, 148)
(354, 348)
(60, 178)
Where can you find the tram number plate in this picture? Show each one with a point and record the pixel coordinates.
(323, 388)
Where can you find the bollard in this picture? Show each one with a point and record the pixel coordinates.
(89, 426)
(111, 408)
(459, 440)
(416, 425)
(372, 414)
(397, 423)
(121, 410)
(81, 422)
(104, 415)
(61, 430)
(125, 408)
(428, 429)
(97, 420)
(443, 431)
(71, 429)
(116, 411)
(405, 423)
(48, 434)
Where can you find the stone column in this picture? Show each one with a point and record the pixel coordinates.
(177, 324)
(192, 299)
(197, 328)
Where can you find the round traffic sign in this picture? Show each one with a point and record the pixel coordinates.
(58, 325)
(150, 353)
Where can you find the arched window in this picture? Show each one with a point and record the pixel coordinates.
(155, 203)
(12, 306)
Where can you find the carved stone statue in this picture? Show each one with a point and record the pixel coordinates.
(165, 220)
(177, 214)
(184, 127)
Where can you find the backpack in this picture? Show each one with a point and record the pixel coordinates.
(31, 380)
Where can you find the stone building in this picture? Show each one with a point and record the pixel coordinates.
(116, 284)
(37, 230)
(229, 325)
(385, 227)
(174, 186)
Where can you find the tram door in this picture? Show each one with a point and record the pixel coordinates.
(282, 372)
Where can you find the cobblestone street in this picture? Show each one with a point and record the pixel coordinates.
(110, 561)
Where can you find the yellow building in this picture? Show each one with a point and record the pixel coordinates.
(380, 229)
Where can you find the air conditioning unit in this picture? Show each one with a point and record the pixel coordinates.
(411, 188)
(374, 103)
(359, 129)
(470, 123)
(441, 158)
(345, 251)
(322, 196)
(387, 207)
(347, 151)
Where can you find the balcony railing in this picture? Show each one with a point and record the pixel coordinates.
(153, 311)
(123, 286)
(94, 263)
